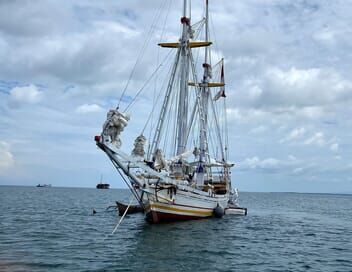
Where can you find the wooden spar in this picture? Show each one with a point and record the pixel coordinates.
(190, 44)
(209, 84)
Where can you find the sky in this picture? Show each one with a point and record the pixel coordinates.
(288, 63)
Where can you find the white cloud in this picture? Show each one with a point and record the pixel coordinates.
(298, 170)
(245, 115)
(6, 157)
(305, 87)
(27, 94)
(292, 158)
(258, 129)
(294, 135)
(312, 112)
(317, 139)
(250, 162)
(325, 36)
(270, 163)
(291, 93)
(115, 27)
(276, 115)
(289, 166)
(334, 147)
(256, 163)
(88, 108)
(255, 92)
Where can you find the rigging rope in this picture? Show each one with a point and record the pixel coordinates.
(123, 216)
(156, 78)
(155, 102)
(146, 83)
(142, 51)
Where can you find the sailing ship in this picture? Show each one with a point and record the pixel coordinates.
(43, 185)
(182, 172)
(102, 185)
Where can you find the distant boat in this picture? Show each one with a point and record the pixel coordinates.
(102, 185)
(43, 185)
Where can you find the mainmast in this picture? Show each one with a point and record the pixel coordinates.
(205, 93)
(182, 115)
(204, 102)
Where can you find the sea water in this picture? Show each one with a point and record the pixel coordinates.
(54, 229)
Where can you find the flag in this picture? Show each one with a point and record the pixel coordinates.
(221, 93)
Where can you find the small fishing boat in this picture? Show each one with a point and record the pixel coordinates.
(131, 209)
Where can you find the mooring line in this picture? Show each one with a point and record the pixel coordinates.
(123, 216)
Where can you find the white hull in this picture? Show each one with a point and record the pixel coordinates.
(184, 205)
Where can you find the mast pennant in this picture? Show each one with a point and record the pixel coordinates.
(221, 93)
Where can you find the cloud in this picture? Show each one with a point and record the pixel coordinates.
(27, 94)
(317, 139)
(28, 20)
(291, 167)
(334, 147)
(6, 157)
(265, 164)
(298, 170)
(296, 88)
(288, 167)
(258, 130)
(89, 108)
(295, 134)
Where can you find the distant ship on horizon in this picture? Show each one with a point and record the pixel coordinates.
(102, 185)
(43, 185)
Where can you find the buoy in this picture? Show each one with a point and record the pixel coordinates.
(218, 211)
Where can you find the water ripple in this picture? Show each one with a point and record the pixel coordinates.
(52, 229)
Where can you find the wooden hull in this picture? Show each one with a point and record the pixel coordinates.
(103, 186)
(155, 217)
(132, 209)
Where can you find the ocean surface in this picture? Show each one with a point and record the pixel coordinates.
(53, 229)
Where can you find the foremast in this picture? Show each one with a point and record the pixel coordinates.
(182, 115)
